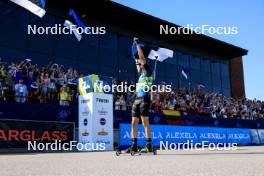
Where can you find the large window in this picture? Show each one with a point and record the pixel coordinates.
(206, 78)
(108, 54)
(173, 60)
(195, 72)
(183, 60)
(108, 40)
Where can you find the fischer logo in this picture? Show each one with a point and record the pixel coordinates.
(32, 135)
(101, 100)
(102, 112)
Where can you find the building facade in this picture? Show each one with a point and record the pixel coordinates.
(213, 63)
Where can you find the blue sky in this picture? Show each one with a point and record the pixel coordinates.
(247, 15)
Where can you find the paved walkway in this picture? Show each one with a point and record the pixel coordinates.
(247, 161)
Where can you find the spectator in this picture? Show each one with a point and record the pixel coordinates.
(63, 97)
(20, 92)
(45, 82)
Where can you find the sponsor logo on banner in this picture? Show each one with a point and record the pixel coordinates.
(177, 134)
(86, 112)
(261, 136)
(85, 122)
(102, 100)
(102, 133)
(85, 101)
(102, 121)
(85, 133)
(85, 85)
(102, 112)
(156, 119)
(17, 133)
(254, 136)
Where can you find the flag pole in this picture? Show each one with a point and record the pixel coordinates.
(155, 66)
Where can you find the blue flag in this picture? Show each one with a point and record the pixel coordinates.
(72, 21)
(185, 72)
(134, 52)
(78, 21)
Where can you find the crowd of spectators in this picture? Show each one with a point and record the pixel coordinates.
(197, 103)
(53, 83)
(26, 82)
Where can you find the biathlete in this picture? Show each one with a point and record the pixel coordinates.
(141, 105)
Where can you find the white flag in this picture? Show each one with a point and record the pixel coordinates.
(161, 54)
(34, 6)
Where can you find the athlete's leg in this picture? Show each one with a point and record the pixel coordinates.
(134, 126)
(145, 123)
(134, 130)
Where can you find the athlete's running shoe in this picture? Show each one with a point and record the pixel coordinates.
(131, 149)
(146, 149)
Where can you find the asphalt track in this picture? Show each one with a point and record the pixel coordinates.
(246, 161)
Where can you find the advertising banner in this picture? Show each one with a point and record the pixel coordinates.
(95, 112)
(254, 136)
(178, 134)
(96, 119)
(85, 118)
(261, 136)
(17, 133)
(239, 136)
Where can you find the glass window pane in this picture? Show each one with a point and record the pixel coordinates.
(226, 82)
(225, 69)
(173, 60)
(215, 67)
(87, 69)
(216, 79)
(183, 60)
(109, 40)
(108, 58)
(205, 65)
(206, 79)
(108, 71)
(124, 44)
(195, 75)
(217, 90)
(67, 63)
(184, 84)
(171, 70)
(89, 40)
(227, 92)
(172, 81)
(67, 46)
(9, 54)
(195, 62)
(88, 54)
